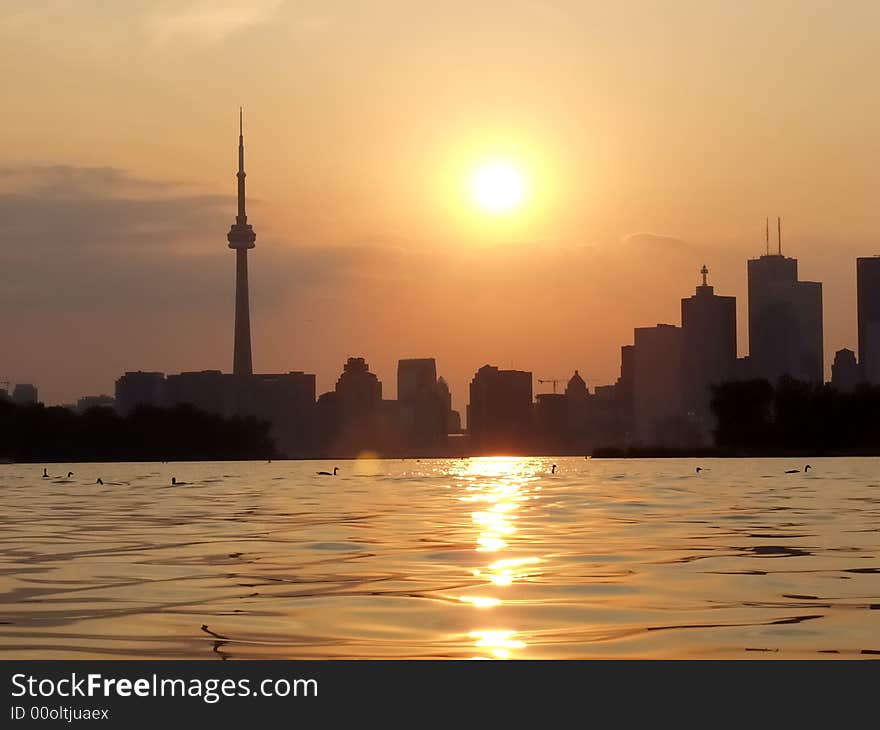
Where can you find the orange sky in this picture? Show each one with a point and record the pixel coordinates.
(656, 137)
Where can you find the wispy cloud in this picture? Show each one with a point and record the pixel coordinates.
(207, 21)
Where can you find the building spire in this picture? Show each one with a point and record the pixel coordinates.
(779, 235)
(705, 272)
(242, 215)
(767, 234)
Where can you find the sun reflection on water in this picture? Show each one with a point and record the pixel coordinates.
(498, 487)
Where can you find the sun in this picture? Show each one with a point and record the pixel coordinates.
(498, 187)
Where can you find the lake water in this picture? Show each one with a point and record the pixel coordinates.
(459, 558)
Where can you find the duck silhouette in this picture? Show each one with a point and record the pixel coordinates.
(175, 483)
(45, 473)
(553, 469)
(327, 473)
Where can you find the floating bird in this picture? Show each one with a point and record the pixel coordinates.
(327, 473)
(699, 469)
(553, 470)
(69, 474)
(45, 473)
(175, 483)
(807, 468)
(792, 471)
(100, 481)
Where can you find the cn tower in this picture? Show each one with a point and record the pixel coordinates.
(241, 237)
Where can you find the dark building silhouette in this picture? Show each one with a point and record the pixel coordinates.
(423, 406)
(241, 237)
(845, 371)
(94, 401)
(285, 400)
(24, 394)
(868, 286)
(205, 390)
(658, 397)
(139, 388)
(500, 409)
(551, 421)
(785, 320)
(708, 324)
(358, 409)
(578, 407)
(453, 418)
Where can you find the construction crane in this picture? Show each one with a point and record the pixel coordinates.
(551, 380)
(555, 381)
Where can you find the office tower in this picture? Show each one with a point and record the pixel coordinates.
(285, 400)
(500, 409)
(708, 324)
(205, 390)
(24, 394)
(845, 373)
(657, 384)
(139, 388)
(423, 407)
(868, 286)
(358, 392)
(241, 237)
(785, 320)
(453, 418)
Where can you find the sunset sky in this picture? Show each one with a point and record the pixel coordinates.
(652, 137)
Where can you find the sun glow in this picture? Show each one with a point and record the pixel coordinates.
(498, 187)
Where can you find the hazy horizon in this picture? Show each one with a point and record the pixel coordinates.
(654, 138)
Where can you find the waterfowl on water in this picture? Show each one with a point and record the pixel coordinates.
(698, 469)
(45, 473)
(327, 473)
(99, 481)
(175, 483)
(553, 470)
(798, 471)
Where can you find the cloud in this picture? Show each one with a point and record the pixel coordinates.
(78, 234)
(207, 21)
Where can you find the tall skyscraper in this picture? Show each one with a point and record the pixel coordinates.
(500, 409)
(241, 237)
(657, 384)
(708, 323)
(845, 374)
(424, 410)
(785, 320)
(868, 284)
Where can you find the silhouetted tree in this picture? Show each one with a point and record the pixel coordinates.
(38, 433)
(796, 416)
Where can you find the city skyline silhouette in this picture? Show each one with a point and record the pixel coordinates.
(118, 225)
(671, 391)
